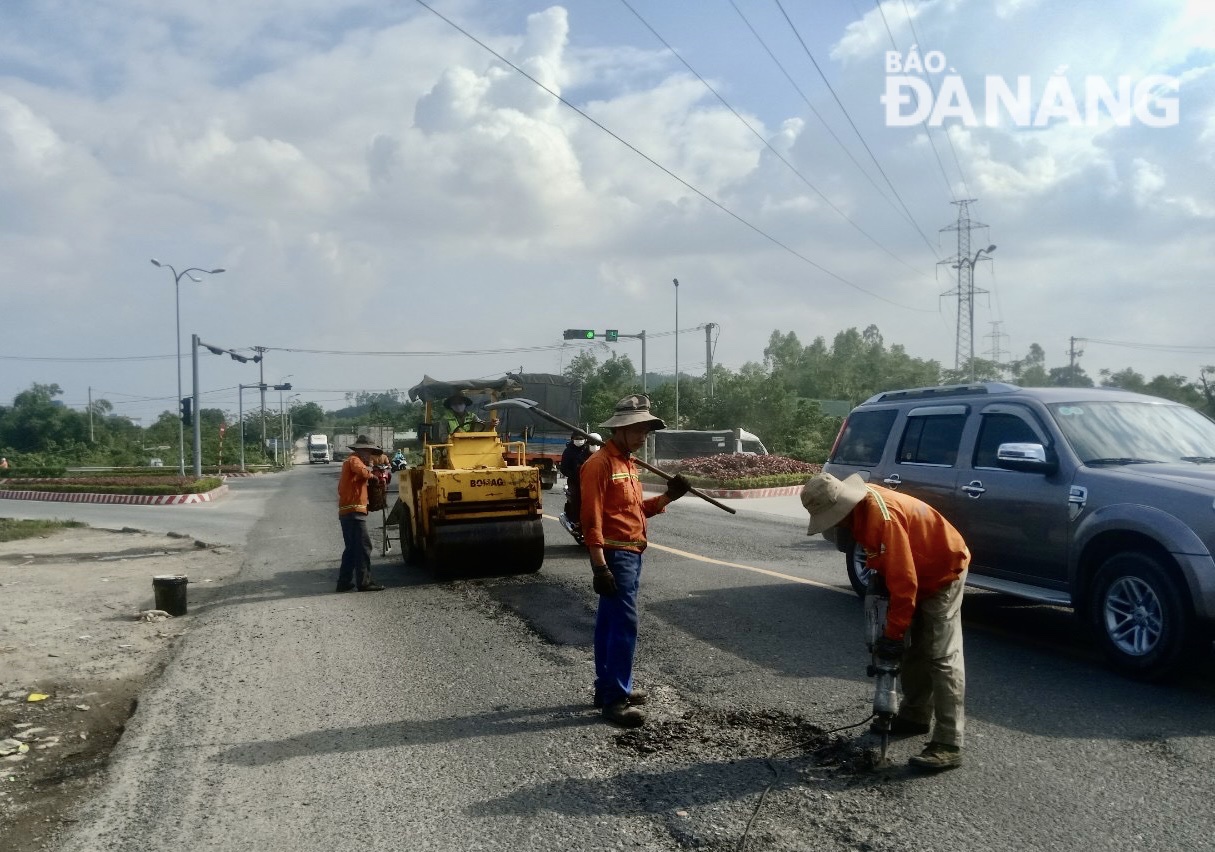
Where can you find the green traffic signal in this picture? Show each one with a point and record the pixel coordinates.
(579, 334)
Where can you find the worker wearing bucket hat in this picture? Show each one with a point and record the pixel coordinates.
(923, 561)
(613, 516)
(355, 571)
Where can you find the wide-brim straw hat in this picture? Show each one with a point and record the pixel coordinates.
(634, 408)
(365, 443)
(829, 500)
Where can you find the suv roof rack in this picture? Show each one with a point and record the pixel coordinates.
(942, 391)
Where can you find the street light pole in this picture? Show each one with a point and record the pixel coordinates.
(970, 298)
(181, 426)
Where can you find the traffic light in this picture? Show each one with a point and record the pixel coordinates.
(612, 335)
(187, 411)
(579, 334)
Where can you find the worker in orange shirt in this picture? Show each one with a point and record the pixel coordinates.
(355, 571)
(613, 514)
(923, 561)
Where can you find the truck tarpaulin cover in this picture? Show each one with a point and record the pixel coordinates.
(433, 390)
(556, 394)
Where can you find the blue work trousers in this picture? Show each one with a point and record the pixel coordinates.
(356, 557)
(616, 628)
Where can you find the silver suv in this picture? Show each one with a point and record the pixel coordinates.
(1097, 499)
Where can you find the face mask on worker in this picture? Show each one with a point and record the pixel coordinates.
(578, 442)
(458, 407)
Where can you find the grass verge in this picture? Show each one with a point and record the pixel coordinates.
(15, 530)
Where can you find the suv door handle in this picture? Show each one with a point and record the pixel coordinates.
(894, 481)
(975, 489)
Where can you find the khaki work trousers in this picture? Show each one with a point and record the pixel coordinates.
(934, 670)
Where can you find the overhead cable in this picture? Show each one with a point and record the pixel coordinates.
(944, 175)
(768, 144)
(856, 129)
(665, 170)
(948, 138)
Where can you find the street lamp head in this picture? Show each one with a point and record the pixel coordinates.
(989, 249)
(221, 269)
(155, 262)
(192, 278)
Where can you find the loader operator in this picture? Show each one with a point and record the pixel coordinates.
(613, 523)
(923, 560)
(355, 571)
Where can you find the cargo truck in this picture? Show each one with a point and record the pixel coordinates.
(381, 436)
(544, 442)
(341, 445)
(318, 449)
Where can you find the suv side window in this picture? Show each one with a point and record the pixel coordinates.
(864, 437)
(932, 437)
(996, 429)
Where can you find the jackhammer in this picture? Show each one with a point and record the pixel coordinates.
(886, 688)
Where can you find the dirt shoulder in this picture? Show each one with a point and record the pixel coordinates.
(72, 632)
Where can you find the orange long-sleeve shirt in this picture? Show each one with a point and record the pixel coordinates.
(352, 486)
(911, 545)
(613, 508)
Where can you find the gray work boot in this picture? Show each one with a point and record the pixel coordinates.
(937, 756)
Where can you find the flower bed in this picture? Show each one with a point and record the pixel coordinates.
(741, 471)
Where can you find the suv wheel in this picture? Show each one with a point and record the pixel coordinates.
(1141, 623)
(858, 572)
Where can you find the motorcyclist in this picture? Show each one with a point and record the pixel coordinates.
(576, 452)
(398, 460)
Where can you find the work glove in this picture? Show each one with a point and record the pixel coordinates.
(677, 486)
(886, 648)
(604, 583)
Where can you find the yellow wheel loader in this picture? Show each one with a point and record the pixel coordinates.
(473, 505)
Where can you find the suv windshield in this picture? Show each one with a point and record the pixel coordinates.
(1135, 432)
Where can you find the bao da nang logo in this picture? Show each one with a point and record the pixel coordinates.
(911, 99)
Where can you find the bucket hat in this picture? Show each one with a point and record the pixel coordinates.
(365, 443)
(634, 408)
(829, 500)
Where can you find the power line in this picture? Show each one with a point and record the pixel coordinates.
(765, 142)
(936, 154)
(1158, 347)
(902, 212)
(664, 169)
(931, 88)
(71, 360)
(855, 129)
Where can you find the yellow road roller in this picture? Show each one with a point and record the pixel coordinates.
(473, 505)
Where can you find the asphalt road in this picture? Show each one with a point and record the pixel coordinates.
(455, 715)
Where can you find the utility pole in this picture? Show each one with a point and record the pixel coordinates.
(676, 353)
(964, 289)
(709, 359)
(91, 438)
(1073, 354)
(261, 380)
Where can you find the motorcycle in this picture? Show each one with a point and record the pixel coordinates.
(399, 462)
(572, 526)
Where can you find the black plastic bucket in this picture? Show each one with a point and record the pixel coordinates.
(170, 591)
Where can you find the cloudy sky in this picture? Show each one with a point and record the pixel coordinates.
(459, 181)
